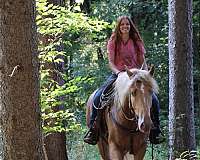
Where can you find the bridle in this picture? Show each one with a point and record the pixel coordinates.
(134, 119)
(131, 108)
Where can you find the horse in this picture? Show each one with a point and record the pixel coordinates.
(127, 119)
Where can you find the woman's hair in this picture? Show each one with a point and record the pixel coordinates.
(133, 33)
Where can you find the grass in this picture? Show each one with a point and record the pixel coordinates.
(78, 150)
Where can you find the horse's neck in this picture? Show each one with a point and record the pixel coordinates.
(124, 112)
(126, 107)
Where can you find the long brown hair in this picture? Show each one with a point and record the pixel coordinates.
(133, 33)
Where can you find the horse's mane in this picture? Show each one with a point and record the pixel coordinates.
(124, 82)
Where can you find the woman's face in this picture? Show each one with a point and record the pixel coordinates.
(124, 26)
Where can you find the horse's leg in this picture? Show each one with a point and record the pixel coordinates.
(103, 149)
(140, 154)
(114, 152)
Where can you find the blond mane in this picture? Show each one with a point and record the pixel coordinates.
(124, 82)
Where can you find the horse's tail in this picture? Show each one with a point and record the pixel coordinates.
(89, 108)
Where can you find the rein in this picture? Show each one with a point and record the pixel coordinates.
(134, 119)
(130, 108)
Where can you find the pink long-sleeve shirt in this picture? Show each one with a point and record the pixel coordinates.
(126, 54)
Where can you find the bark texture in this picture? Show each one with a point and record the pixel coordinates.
(181, 103)
(19, 81)
(55, 144)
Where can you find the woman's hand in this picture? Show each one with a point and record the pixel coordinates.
(118, 73)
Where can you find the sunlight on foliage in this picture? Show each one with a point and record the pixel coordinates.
(71, 70)
(61, 34)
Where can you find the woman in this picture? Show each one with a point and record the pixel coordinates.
(125, 49)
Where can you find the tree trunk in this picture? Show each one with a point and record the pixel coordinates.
(85, 7)
(181, 103)
(20, 120)
(57, 2)
(54, 143)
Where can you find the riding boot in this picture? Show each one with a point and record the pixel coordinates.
(156, 136)
(91, 136)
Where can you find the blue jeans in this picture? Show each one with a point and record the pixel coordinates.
(96, 99)
(155, 110)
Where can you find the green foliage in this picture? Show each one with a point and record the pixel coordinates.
(57, 125)
(110, 10)
(69, 41)
(63, 34)
(77, 149)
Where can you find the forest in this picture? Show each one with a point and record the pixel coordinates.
(53, 56)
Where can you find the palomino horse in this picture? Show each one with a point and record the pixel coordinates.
(128, 119)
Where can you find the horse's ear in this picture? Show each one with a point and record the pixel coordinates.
(128, 71)
(151, 70)
(144, 65)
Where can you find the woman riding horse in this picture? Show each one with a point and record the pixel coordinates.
(125, 48)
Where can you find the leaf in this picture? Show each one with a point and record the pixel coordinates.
(77, 8)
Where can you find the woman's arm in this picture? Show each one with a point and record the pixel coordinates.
(140, 59)
(111, 55)
(112, 66)
(141, 53)
(144, 64)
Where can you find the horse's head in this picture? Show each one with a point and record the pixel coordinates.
(139, 85)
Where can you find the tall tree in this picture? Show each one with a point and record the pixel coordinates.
(181, 105)
(19, 80)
